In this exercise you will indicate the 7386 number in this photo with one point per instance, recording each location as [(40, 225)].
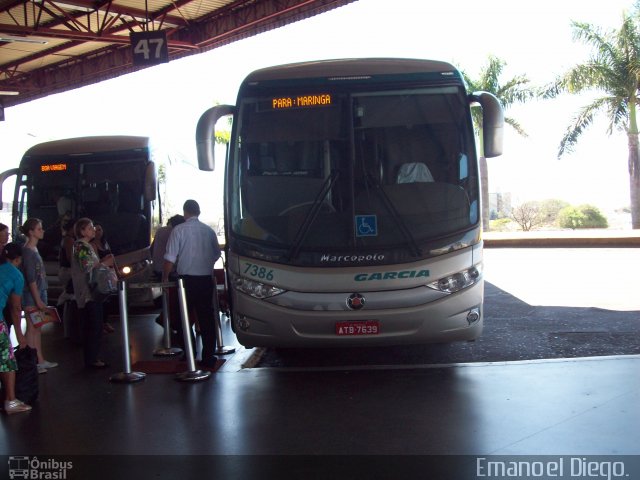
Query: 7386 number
[(256, 271)]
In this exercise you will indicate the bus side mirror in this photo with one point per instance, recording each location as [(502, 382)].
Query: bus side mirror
[(150, 182), (492, 123), (3, 177), (205, 135)]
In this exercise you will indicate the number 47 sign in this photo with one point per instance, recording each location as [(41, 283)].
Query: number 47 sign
[(149, 48)]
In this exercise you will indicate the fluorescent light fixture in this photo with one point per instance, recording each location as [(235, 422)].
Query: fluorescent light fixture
[(8, 92), (11, 39)]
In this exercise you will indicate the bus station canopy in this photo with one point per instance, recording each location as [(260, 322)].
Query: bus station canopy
[(51, 46)]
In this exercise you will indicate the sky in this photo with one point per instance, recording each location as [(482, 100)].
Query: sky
[(534, 39)]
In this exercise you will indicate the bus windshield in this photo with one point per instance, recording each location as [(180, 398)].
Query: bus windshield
[(354, 170), (105, 188)]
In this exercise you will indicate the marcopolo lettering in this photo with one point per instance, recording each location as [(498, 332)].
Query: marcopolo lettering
[(375, 257), (402, 274)]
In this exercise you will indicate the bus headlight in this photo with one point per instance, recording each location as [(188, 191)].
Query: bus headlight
[(127, 270), (458, 281), (256, 289)]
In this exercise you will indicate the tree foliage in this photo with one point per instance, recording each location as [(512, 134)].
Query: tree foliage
[(612, 70), (551, 208), (508, 92), (222, 136), (582, 216), (528, 215)]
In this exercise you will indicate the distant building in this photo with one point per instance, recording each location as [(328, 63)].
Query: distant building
[(500, 205)]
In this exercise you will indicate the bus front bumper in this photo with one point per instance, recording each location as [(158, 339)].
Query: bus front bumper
[(456, 317)]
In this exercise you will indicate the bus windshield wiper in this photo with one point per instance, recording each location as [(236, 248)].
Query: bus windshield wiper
[(402, 226), (311, 216)]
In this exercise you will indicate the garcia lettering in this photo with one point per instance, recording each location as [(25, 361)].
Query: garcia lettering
[(402, 274)]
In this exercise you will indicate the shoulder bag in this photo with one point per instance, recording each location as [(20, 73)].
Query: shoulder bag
[(103, 280)]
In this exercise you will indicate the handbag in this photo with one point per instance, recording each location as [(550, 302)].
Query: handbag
[(27, 375), (103, 280)]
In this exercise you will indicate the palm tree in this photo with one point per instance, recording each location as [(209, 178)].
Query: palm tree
[(613, 70), (514, 90)]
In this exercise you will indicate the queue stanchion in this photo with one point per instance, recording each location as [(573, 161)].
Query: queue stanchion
[(220, 349), (166, 350), (126, 376), (193, 374)]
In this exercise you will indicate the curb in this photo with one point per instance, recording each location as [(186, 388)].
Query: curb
[(563, 242)]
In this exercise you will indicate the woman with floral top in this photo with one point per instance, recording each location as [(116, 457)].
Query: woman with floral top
[(90, 309), (102, 248)]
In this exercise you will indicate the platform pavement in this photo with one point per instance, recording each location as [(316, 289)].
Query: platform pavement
[(581, 407)]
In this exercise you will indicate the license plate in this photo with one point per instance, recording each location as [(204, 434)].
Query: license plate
[(366, 327)]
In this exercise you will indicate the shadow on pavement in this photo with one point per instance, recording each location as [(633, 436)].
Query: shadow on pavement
[(514, 330)]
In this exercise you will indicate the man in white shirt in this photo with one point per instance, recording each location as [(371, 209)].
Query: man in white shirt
[(193, 247)]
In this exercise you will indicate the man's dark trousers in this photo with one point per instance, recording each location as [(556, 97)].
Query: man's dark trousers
[(199, 291)]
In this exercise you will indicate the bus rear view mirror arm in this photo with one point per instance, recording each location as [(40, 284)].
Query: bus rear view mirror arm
[(492, 122), (205, 134)]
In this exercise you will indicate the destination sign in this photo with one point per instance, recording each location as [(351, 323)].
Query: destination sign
[(53, 167), (301, 101)]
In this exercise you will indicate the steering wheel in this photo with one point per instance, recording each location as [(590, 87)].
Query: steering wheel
[(324, 207)]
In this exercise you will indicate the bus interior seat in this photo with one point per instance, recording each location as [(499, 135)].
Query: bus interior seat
[(407, 147), (414, 172)]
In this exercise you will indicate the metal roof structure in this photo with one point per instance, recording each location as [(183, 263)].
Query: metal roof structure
[(50, 46)]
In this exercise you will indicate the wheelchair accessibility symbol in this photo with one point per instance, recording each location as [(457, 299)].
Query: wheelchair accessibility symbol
[(366, 226)]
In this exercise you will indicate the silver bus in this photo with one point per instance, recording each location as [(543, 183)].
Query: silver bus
[(110, 179), (352, 203)]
